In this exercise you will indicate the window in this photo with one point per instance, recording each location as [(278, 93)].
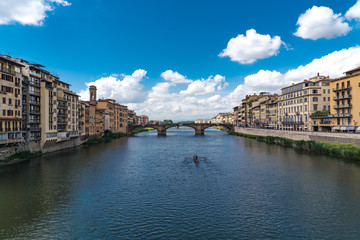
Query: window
[(315, 107), (324, 99), (305, 99), (315, 99), (17, 69), (324, 91), (314, 91), (4, 100)]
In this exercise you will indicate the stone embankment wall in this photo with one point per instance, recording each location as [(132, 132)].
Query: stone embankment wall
[(329, 137), (35, 146), (63, 145)]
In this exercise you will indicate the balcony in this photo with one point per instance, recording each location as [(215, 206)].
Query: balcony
[(62, 99), (63, 106), (34, 102), (34, 83), (342, 106), (34, 93), (7, 70), (34, 120), (25, 81), (348, 96), (292, 122), (341, 115), (34, 129), (37, 112), (61, 128), (343, 88), (35, 74), (62, 115)]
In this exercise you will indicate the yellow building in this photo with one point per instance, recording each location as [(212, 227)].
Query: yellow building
[(10, 113), (271, 113), (48, 111), (67, 112), (345, 111), (116, 118)]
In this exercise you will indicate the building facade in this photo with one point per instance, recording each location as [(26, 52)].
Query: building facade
[(298, 101), (11, 102), (345, 111)]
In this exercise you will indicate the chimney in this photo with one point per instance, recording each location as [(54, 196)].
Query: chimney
[(318, 74)]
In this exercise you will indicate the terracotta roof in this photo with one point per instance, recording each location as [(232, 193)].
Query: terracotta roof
[(8, 59), (353, 70)]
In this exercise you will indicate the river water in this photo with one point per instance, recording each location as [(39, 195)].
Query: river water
[(148, 187)]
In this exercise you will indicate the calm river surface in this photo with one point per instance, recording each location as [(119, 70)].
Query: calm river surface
[(143, 188)]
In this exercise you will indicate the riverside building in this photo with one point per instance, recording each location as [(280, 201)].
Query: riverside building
[(271, 112), (10, 92), (345, 111), (46, 108), (116, 117), (298, 101)]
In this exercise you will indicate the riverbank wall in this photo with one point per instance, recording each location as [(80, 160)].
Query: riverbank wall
[(328, 137), (35, 146)]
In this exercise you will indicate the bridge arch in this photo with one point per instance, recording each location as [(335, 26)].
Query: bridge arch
[(198, 127)]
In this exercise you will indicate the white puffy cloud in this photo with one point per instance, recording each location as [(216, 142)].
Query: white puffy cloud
[(123, 90), (321, 22), (27, 12), (354, 12), (251, 47), (205, 86), (333, 65), (204, 98), (174, 77)]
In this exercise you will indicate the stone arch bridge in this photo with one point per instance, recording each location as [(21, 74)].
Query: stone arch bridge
[(199, 127)]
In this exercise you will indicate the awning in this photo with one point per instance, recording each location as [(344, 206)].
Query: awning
[(335, 128), (351, 128), (343, 129), (358, 129)]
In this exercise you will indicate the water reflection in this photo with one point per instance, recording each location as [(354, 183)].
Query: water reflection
[(144, 187)]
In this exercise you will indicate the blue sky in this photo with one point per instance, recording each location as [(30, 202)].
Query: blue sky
[(163, 58)]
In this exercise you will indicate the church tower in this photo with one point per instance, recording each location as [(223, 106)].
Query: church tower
[(93, 94)]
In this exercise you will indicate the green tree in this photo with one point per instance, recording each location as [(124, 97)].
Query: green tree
[(168, 121)]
